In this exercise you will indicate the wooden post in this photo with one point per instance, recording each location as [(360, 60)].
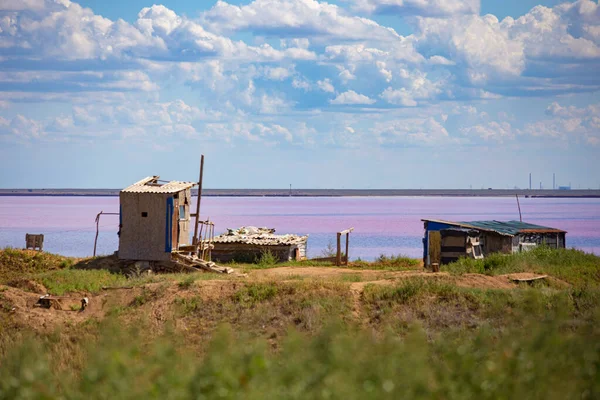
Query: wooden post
[(519, 205), (338, 257), (97, 226), (347, 238), (195, 239)]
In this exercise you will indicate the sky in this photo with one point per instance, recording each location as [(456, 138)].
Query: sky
[(339, 94)]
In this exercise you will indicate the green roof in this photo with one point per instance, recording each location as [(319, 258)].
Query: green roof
[(503, 227)]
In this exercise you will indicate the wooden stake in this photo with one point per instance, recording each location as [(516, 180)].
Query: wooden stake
[(347, 238), (195, 239), (519, 205), (338, 258)]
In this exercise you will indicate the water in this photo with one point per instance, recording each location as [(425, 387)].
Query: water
[(383, 225)]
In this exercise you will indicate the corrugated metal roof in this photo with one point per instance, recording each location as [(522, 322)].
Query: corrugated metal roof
[(509, 228), (150, 185), (259, 236)]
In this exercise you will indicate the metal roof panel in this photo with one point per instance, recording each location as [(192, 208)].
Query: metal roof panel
[(150, 185)]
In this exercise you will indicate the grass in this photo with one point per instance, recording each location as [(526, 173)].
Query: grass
[(570, 265), (14, 263), (74, 280), (312, 338), (440, 305), (539, 360)]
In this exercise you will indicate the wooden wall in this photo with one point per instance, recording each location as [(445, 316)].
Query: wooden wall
[(143, 238)]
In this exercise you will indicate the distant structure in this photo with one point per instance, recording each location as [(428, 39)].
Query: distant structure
[(249, 243), (553, 181), (154, 219), (530, 181), (475, 238), (564, 187)]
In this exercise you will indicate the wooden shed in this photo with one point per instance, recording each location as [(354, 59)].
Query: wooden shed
[(246, 244), (154, 219), (494, 237)]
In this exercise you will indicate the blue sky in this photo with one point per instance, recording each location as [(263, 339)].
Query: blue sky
[(340, 94)]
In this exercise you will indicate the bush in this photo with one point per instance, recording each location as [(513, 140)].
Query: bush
[(267, 259)]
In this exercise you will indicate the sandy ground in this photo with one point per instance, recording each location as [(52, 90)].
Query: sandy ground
[(163, 294)]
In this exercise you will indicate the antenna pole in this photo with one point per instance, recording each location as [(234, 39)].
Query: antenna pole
[(519, 205), (195, 239)]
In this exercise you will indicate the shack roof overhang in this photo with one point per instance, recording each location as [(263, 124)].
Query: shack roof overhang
[(506, 228), (150, 184)]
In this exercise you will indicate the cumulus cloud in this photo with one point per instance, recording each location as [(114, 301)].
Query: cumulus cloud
[(493, 130), (299, 18), (351, 97), (431, 8), (411, 131), (580, 124)]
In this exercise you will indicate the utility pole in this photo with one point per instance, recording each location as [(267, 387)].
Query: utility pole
[(553, 181), (530, 181)]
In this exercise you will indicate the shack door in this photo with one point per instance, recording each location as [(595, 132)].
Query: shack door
[(435, 247)]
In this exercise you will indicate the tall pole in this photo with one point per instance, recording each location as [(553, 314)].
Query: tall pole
[(519, 205), (195, 239), (530, 181), (553, 181)]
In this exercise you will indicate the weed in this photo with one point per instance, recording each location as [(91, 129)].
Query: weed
[(255, 293), (267, 259), (188, 305), (188, 281)]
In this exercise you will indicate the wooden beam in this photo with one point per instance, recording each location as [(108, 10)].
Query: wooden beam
[(346, 231)]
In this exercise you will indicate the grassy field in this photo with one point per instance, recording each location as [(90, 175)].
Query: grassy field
[(372, 330)]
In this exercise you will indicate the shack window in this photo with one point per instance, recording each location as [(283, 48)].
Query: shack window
[(144, 214), (181, 212)]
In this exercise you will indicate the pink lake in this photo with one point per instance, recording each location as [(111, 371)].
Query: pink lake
[(383, 225)]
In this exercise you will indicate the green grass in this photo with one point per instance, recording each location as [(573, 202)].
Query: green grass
[(64, 281), (14, 263), (537, 361), (256, 293), (440, 305), (570, 265)]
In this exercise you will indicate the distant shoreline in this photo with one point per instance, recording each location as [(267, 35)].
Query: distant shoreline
[(576, 193)]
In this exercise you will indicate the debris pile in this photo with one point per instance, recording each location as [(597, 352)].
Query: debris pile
[(259, 236)]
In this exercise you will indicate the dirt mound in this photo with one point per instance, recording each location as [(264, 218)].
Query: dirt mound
[(28, 286), (484, 281)]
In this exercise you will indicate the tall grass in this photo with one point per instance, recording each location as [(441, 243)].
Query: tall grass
[(539, 361), (573, 266)]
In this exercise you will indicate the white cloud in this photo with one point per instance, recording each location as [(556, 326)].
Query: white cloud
[(433, 8), (351, 97), (478, 44), (277, 73), (413, 131), (326, 86), (493, 130), (568, 123), (439, 60), (294, 17)]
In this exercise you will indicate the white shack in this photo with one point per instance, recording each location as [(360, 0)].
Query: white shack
[(154, 219)]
